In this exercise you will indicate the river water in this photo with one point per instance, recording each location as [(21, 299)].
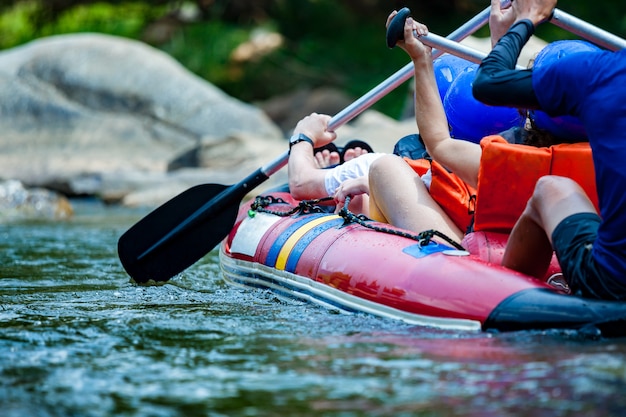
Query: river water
[(78, 338)]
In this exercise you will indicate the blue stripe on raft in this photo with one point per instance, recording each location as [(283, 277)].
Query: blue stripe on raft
[(272, 254), (302, 244)]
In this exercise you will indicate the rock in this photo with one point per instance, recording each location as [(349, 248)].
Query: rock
[(20, 203), (231, 151), (88, 105), (287, 109), (168, 186), (240, 155)]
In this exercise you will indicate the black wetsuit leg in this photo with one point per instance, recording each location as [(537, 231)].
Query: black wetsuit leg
[(497, 82)]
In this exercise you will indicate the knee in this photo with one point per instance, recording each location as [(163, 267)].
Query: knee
[(385, 172), (385, 165), (544, 185), (544, 188), (554, 186), (551, 192)]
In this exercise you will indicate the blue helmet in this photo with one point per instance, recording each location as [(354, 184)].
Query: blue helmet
[(565, 127), (447, 67), (556, 50), (471, 120)]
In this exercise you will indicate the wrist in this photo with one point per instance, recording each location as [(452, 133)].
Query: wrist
[(299, 138), (533, 19), (524, 28), (421, 63)]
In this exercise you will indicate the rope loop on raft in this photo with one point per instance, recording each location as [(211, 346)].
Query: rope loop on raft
[(304, 207), (261, 203), (423, 239)]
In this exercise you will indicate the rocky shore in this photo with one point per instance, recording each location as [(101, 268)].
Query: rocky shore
[(97, 115)]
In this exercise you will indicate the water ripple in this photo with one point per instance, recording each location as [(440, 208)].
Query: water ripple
[(77, 337)]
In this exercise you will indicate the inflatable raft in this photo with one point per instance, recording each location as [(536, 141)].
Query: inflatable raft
[(353, 264)]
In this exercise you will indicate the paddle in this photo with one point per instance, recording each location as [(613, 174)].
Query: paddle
[(177, 234)]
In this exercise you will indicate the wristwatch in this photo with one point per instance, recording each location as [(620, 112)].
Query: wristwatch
[(300, 137)]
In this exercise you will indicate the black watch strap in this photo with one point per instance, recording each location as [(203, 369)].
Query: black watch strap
[(300, 137)]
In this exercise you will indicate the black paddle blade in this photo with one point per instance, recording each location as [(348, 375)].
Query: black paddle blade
[(149, 249)]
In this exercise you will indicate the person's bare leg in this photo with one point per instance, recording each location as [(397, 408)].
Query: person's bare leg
[(399, 197), (529, 248)]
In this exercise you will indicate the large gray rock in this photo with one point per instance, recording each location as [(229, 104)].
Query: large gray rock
[(87, 106)]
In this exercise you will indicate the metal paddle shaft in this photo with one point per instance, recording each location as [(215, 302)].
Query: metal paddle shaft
[(586, 30), (177, 234)]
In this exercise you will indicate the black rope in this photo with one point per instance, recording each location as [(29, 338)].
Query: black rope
[(261, 203), (304, 207), (423, 238)]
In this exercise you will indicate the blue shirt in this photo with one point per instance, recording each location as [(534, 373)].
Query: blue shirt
[(592, 86)]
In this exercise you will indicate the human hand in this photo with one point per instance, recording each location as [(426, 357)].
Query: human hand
[(500, 20), (410, 44), (350, 188), (315, 126), (537, 11)]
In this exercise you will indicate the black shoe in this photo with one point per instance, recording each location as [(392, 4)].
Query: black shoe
[(330, 147), (356, 143)]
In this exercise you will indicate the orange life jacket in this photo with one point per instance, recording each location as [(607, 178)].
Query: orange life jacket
[(506, 180), (454, 196), (508, 174)]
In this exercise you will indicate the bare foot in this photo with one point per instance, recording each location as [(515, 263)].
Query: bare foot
[(325, 158), (354, 149), (352, 153)]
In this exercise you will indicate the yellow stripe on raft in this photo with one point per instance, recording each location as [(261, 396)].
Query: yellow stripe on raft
[(284, 253)]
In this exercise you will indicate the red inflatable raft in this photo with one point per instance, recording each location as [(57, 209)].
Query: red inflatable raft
[(377, 269)]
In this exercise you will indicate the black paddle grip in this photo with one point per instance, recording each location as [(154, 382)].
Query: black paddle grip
[(395, 30)]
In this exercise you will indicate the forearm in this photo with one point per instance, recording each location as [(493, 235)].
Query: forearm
[(497, 81), (461, 157), (306, 181), (430, 116)]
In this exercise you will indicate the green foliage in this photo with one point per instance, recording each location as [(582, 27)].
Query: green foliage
[(326, 42), (125, 19), (205, 49), (16, 25)]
